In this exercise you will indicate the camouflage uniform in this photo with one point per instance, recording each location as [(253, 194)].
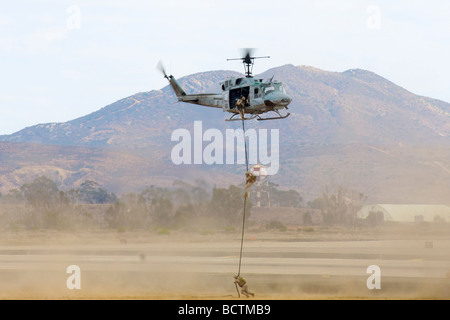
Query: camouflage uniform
[(240, 105), (243, 285), (250, 179)]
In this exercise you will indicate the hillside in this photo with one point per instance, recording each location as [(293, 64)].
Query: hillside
[(354, 128), (140, 121), (118, 171), (327, 108)]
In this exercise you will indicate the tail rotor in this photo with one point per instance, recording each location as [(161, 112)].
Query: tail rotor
[(161, 68)]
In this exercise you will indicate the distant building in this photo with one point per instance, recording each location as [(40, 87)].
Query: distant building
[(262, 184), (406, 212)]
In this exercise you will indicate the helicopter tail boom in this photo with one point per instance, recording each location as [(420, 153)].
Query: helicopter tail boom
[(173, 82), (204, 99), (176, 87)]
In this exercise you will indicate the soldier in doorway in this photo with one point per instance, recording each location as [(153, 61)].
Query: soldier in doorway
[(240, 105)]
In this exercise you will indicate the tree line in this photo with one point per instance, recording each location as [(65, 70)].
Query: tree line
[(43, 205), (338, 205), (191, 206)]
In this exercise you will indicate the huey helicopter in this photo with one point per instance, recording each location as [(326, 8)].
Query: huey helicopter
[(260, 96)]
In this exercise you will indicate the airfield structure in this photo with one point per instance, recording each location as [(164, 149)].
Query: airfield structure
[(262, 179)]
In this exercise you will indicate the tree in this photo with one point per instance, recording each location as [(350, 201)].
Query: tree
[(335, 205), (375, 218), (317, 203), (227, 205), (130, 211), (289, 198), (48, 202), (91, 192), (14, 196), (184, 215), (307, 218), (162, 211), (278, 198), (152, 192), (339, 205), (115, 216), (43, 193), (73, 195)]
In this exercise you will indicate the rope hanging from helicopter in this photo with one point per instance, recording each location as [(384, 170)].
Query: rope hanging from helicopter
[(272, 100), (245, 202), (244, 211)]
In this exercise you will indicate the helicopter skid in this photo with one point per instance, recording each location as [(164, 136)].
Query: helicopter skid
[(258, 117), (274, 118), (237, 119)]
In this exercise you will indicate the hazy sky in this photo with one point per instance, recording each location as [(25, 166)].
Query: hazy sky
[(62, 59)]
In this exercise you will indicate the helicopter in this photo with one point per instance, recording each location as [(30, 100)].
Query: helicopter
[(261, 97)]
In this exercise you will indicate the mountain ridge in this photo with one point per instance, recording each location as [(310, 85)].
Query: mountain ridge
[(325, 97), (337, 120)]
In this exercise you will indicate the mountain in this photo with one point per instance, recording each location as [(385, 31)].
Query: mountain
[(354, 127), (327, 107), (69, 166), (138, 121)]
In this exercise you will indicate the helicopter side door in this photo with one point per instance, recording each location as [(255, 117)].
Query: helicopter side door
[(236, 94)]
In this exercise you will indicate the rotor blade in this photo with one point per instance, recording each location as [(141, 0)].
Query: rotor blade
[(247, 51), (246, 55)]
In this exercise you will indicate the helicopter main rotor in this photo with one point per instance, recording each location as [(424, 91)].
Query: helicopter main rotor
[(248, 62)]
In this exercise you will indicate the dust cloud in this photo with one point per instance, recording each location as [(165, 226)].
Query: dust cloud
[(296, 263)]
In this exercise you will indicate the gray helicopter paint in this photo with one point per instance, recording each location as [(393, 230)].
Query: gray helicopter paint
[(261, 97), (259, 103)]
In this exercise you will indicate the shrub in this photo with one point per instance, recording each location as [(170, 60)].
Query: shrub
[(276, 224), (163, 231)]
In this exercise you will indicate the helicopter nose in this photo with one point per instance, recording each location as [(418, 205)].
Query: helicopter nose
[(277, 99)]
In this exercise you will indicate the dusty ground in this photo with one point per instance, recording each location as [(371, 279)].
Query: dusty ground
[(301, 263)]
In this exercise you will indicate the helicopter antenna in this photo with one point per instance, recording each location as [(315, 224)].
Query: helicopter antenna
[(248, 62)]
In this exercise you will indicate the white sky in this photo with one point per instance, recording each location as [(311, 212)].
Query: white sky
[(62, 59)]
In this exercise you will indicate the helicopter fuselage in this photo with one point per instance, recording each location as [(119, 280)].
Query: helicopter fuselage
[(260, 96)]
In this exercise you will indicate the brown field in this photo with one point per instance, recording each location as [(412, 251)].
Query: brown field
[(300, 263)]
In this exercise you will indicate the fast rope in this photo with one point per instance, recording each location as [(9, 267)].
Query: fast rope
[(245, 203)]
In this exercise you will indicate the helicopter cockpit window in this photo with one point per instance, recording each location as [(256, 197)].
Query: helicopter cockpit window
[(269, 89), (274, 87)]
